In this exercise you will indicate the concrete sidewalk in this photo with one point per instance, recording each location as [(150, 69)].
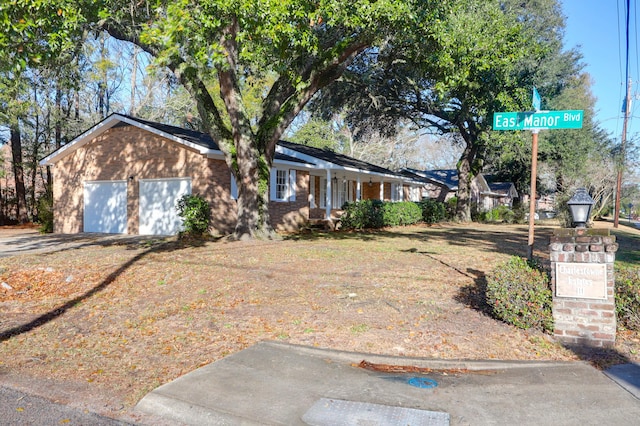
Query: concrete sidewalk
[(279, 384)]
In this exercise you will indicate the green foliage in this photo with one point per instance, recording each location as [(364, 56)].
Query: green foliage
[(319, 134), (628, 297), (365, 214), (519, 293), (195, 212), (451, 206), (497, 215), (45, 214), (401, 214), (432, 211), (375, 214)]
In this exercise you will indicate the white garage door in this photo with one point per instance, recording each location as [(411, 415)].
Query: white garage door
[(158, 198), (105, 207)]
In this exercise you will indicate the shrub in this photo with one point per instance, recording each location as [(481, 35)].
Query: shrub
[(519, 214), (628, 297), (374, 214), (451, 206), (401, 214), (362, 214), (498, 214), (45, 214), (519, 293), (195, 212), (432, 211)]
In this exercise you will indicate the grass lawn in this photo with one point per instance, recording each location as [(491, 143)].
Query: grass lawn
[(105, 324)]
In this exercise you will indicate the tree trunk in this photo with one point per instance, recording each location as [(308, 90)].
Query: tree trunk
[(469, 166), (253, 193), (463, 207), (18, 173)]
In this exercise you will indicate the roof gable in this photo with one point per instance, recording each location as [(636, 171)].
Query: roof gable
[(286, 152), (444, 177), (190, 138), (340, 160)]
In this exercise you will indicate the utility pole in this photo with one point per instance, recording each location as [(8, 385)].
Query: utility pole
[(623, 141), (627, 109)]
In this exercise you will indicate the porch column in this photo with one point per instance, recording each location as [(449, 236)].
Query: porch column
[(381, 189), (328, 197), (359, 189)]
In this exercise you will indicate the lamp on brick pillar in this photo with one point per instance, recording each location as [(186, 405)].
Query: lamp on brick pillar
[(580, 207)]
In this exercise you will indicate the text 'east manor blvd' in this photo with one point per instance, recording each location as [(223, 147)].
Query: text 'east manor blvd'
[(570, 119)]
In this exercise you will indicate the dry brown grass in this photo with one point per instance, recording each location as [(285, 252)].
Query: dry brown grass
[(103, 325)]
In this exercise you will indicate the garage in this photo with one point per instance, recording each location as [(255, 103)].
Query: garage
[(105, 207), (158, 199)]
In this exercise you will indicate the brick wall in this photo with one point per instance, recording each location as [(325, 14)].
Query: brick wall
[(291, 215), (128, 151), (579, 320)]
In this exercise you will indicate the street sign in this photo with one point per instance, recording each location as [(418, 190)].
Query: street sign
[(570, 119), (536, 100)]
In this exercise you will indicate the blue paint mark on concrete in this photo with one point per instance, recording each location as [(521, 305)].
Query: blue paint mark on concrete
[(422, 382)]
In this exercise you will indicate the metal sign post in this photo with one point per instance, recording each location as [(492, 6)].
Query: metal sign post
[(532, 200), (535, 121)]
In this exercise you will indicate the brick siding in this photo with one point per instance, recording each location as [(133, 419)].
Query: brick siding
[(123, 152)]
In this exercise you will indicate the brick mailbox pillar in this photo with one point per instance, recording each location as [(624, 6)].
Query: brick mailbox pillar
[(582, 280)]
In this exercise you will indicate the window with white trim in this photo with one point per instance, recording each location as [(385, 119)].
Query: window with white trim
[(282, 185), (234, 188), (312, 192), (323, 193), (396, 192), (340, 194)]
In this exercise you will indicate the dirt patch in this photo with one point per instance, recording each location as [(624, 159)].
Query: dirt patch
[(101, 325)]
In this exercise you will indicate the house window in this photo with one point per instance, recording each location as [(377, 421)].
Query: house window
[(234, 188), (323, 193), (283, 185), (312, 192), (396, 192), (282, 179), (340, 194)]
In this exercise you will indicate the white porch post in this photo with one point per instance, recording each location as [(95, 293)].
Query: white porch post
[(359, 189), (381, 189), (329, 198)]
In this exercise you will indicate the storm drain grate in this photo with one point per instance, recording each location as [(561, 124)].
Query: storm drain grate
[(336, 412)]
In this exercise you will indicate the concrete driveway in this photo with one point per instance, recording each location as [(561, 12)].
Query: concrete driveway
[(14, 240)]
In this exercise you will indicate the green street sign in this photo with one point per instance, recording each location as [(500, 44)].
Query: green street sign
[(570, 119)]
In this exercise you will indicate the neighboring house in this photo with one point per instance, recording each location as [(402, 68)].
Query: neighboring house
[(443, 185), (501, 194), (544, 202), (124, 175)]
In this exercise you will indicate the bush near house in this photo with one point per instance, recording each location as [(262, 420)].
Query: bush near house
[(45, 214), (628, 297), (451, 204), (375, 214), (498, 215), (519, 293), (401, 214), (432, 211), (365, 214), (196, 214)]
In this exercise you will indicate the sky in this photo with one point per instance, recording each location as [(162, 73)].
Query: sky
[(597, 27)]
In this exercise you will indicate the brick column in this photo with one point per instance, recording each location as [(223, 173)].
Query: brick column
[(582, 279)]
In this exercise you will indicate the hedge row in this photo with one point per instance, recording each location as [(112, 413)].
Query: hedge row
[(375, 214)]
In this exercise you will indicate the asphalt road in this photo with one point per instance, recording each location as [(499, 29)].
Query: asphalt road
[(18, 408)]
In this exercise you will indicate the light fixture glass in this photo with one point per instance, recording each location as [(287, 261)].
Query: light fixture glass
[(580, 207)]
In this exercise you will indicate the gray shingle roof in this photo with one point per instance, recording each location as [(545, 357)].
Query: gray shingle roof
[(335, 158), (199, 138), (446, 177)]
